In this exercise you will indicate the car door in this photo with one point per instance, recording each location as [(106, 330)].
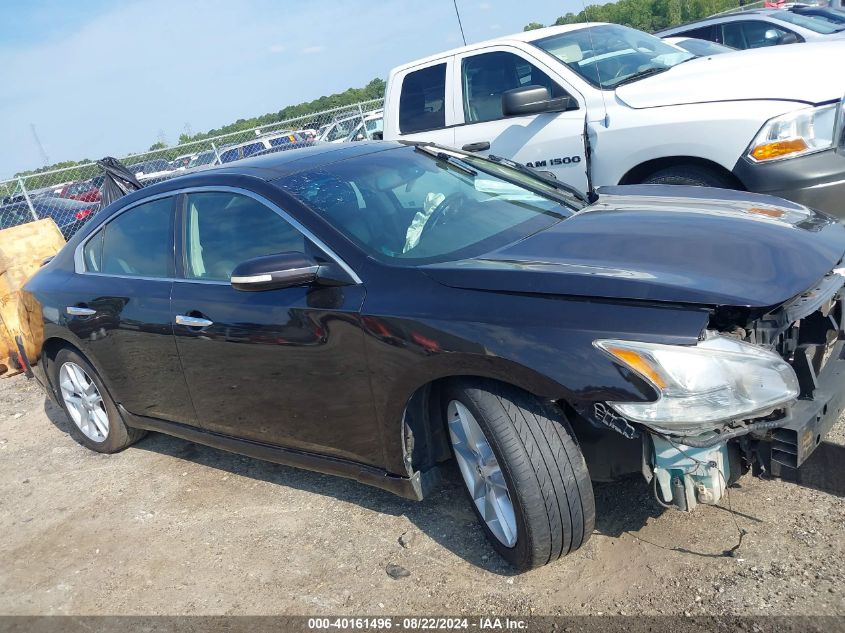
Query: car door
[(285, 366), (118, 306), (549, 141)]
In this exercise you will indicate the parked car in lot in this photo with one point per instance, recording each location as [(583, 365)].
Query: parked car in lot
[(69, 215), (208, 157), (84, 191), (372, 309), (150, 168), (182, 162), (370, 128), (284, 141), (603, 104), (338, 131), (699, 48), (760, 28)]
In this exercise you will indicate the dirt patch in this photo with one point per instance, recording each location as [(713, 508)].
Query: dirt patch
[(169, 527)]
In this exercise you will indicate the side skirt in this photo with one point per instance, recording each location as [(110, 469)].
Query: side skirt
[(415, 487)]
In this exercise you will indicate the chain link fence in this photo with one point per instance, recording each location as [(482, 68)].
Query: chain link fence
[(71, 196)]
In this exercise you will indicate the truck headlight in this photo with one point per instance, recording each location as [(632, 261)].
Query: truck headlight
[(839, 128), (703, 386), (795, 134)]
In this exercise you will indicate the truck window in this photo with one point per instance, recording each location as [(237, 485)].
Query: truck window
[(485, 77), (703, 33), (423, 98), (750, 34)]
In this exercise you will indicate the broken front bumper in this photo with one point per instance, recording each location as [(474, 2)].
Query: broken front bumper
[(810, 419)]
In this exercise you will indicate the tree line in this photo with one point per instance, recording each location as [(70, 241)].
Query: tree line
[(646, 15)]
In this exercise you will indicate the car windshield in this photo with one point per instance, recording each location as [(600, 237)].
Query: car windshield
[(422, 206), (609, 55), (834, 16), (810, 22)]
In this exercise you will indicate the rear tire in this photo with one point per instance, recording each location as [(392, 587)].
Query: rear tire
[(95, 421), (690, 175), (532, 450)]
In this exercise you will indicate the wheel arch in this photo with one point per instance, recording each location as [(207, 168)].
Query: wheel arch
[(419, 420), (638, 173), (50, 347)]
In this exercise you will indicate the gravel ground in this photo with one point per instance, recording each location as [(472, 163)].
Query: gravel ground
[(169, 527)]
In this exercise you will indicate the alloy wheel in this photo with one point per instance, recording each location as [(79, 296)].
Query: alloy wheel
[(482, 474), (84, 402)]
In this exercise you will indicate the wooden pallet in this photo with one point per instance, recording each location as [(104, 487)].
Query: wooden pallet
[(22, 250)]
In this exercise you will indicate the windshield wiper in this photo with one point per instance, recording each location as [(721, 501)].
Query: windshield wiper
[(642, 75), (551, 182), (453, 161)]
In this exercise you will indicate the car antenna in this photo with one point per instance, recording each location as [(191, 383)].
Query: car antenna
[(461, 26)]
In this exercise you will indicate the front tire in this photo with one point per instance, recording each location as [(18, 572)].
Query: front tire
[(690, 175), (524, 472), (95, 421)]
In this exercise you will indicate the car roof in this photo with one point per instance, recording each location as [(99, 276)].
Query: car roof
[(525, 36)]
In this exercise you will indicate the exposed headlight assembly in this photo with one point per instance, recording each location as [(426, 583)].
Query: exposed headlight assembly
[(839, 128), (795, 134), (703, 386)]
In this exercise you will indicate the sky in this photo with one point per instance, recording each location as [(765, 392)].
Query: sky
[(99, 77)]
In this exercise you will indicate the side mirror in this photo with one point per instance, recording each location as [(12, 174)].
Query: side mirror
[(378, 136), (272, 272), (532, 100), (788, 38)]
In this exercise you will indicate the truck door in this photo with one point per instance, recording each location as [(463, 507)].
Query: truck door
[(549, 141)]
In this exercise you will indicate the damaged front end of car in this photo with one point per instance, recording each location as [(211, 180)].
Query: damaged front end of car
[(760, 388)]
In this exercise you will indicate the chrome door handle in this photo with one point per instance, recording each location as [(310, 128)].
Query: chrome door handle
[(77, 311), (182, 319)]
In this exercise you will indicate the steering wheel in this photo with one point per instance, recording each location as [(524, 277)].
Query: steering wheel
[(450, 203)]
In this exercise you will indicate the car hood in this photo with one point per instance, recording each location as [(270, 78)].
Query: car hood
[(666, 244), (787, 73)]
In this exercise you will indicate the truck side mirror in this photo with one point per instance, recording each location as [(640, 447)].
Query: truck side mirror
[(532, 100)]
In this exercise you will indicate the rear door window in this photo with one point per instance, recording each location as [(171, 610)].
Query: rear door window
[(137, 243), (422, 103)]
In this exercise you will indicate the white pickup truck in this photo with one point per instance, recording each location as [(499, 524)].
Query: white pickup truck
[(603, 104)]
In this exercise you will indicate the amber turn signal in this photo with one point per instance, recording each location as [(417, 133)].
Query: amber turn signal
[(776, 149)]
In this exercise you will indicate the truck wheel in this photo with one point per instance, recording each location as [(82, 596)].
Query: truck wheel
[(524, 472), (692, 175), (95, 420)]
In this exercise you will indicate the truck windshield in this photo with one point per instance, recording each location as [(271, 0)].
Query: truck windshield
[(609, 55), (420, 207)]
